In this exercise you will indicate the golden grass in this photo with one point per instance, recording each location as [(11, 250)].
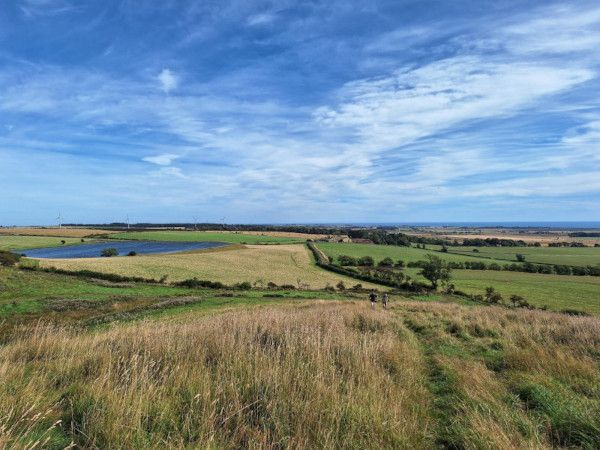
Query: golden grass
[(281, 264), (323, 376), (57, 232), (311, 375)]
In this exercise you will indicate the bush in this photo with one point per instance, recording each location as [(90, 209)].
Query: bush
[(195, 283), (491, 296), (245, 286), (108, 252), (131, 253), (8, 259), (341, 286), (399, 264), (386, 262), (366, 261), (520, 257), (345, 260)]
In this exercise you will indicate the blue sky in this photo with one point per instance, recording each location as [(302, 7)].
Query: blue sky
[(288, 111)]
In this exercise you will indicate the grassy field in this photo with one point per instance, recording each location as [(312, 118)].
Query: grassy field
[(281, 264), (571, 256), (54, 231), (308, 375), (193, 236), (557, 292), (379, 252), (26, 242)]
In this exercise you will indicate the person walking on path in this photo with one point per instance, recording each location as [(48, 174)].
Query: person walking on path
[(373, 298), (384, 300)]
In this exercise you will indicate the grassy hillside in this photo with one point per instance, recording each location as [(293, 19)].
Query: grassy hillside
[(379, 252), (320, 375), (281, 264), (571, 256), (193, 236), (26, 242)]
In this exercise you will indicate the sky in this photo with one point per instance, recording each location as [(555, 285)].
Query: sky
[(250, 111)]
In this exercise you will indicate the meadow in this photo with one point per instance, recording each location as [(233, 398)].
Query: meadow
[(570, 256), (406, 254), (557, 292), (332, 374), (257, 264), (193, 236), (26, 242)]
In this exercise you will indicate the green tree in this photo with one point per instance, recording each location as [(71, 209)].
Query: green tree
[(436, 270), (386, 262)]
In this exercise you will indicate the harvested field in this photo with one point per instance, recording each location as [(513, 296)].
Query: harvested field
[(58, 232), (281, 264), (26, 242)]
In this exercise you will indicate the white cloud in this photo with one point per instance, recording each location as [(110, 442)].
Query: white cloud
[(162, 160), (260, 19), (168, 80), (416, 102)]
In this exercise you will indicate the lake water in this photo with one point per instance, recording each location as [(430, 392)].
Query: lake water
[(94, 250)]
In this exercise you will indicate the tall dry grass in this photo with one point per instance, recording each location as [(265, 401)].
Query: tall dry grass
[(326, 376)]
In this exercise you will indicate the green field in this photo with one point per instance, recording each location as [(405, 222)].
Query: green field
[(26, 242), (193, 236), (570, 256), (557, 292), (379, 252)]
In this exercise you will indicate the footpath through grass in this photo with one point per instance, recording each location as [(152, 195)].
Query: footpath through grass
[(195, 236)]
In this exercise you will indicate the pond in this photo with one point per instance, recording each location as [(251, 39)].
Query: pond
[(94, 250)]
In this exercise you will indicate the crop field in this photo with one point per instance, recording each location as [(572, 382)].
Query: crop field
[(571, 256), (26, 242), (332, 374), (55, 231), (379, 252), (260, 264), (557, 292), (194, 236)]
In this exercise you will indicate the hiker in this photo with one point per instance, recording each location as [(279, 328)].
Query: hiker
[(373, 298), (384, 300)]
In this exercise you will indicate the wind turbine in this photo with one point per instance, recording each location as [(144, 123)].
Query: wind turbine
[(195, 222), (127, 221), (223, 222), (59, 219)]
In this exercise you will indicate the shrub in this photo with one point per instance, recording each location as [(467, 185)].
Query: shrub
[(63, 242), (244, 285), (108, 252), (520, 257), (386, 262), (400, 264), (341, 286), (491, 296), (346, 260), (444, 249), (366, 261), (131, 253), (271, 285), (8, 259)]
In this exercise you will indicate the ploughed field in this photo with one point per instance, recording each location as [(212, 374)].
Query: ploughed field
[(309, 374)]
